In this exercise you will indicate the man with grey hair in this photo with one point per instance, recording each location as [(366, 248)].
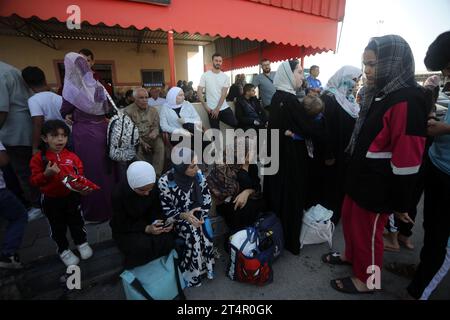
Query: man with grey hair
[(151, 146)]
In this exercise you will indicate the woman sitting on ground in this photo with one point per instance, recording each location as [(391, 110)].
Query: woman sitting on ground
[(236, 189), (186, 200), (137, 224)]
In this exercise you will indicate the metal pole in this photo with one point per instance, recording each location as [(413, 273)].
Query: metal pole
[(170, 46)]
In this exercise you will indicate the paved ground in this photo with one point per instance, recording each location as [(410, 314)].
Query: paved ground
[(295, 277)]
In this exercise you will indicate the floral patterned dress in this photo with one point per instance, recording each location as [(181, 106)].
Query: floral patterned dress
[(197, 258)]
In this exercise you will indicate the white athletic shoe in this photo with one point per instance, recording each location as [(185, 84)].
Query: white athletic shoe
[(34, 214), (69, 258), (85, 251)]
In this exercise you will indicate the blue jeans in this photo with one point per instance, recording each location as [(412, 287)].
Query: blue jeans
[(14, 211)]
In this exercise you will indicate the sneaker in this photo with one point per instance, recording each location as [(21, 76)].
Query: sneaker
[(34, 214), (69, 258), (10, 262), (85, 251)]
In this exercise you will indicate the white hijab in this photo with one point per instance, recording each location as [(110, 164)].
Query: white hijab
[(341, 84), (140, 174), (171, 98), (284, 78)]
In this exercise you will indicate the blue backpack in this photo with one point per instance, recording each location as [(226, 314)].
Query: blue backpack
[(269, 229)]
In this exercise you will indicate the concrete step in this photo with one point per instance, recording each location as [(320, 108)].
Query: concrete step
[(48, 274)]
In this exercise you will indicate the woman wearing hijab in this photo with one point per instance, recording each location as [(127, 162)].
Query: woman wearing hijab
[(329, 163), (138, 226), (85, 106), (386, 151), (285, 192), (186, 201), (178, 116), (241, 203)]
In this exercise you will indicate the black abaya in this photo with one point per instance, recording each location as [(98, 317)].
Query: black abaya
[(327, 182), (285, 192), (131, 214), (246, 216)]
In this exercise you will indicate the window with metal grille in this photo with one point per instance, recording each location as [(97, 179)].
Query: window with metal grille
[(152, 78)]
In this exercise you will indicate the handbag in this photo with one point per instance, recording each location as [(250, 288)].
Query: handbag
[(317, 226), (160, 279)]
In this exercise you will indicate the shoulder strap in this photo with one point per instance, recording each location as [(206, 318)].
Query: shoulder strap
[(136, 284), (268, 77), (177, 279), (110, 100), (44, 159)]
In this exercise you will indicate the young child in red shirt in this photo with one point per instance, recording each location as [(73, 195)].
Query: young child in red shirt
[(59, 175)]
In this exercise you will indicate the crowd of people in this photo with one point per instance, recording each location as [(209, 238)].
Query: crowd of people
[(366, 146)]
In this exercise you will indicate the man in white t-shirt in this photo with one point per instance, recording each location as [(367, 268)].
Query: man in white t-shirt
[(44, 104), (216, 84), (155, 99)]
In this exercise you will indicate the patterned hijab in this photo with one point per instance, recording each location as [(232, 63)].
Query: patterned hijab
[(394, 71), (341, 84), (80, 87)]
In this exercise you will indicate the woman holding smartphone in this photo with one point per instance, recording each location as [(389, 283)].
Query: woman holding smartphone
[(186, 200), (138, 225)]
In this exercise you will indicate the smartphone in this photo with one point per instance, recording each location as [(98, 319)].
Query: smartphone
[(198, 214), (167, 223)]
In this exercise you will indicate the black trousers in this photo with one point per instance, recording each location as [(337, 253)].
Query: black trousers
[(241, 218), (436, 223), (226, 116), (139, 248), (63, 213)]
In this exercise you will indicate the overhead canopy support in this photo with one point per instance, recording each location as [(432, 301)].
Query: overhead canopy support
[(30, 30), (287, 24), (171, 49)]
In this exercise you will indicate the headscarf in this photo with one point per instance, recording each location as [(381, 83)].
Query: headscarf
[(80, 87), (284, 78), (182, 159), (140, 174), (433, 81), (341, 84), (394, 71), (171, 98)]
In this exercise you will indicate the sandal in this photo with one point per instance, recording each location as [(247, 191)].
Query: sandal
[(334, 258), (405, 243), (348, 286), (391, 249), (401, 269)]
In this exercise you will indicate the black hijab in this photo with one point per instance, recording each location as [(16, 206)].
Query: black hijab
[(185, 182)]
